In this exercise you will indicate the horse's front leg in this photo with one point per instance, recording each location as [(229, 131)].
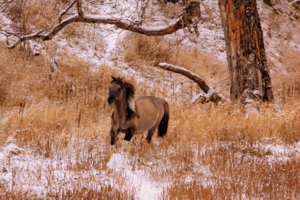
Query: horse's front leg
[(113, 136)]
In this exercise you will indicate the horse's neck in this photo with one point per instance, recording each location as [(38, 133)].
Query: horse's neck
[(120, 111)]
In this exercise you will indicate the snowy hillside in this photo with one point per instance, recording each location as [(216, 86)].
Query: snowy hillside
[(55, 122)]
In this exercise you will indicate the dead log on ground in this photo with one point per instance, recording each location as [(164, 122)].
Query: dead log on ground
[(210, 92)]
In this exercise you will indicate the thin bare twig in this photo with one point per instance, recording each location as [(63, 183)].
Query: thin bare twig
[(65, 11), (143, 11)]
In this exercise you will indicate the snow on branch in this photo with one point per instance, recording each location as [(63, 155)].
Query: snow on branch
[(186, 73), (100, 19), (66, 11), (210, 92), (39, 35)]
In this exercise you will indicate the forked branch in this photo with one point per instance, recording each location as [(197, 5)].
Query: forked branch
[(66, 11), (100, 19)]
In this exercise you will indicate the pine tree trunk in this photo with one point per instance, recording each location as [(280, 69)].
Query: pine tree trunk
[(249, 73)]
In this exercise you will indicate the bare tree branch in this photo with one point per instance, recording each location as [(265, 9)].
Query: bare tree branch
[(103, 19), (66, 10), (143, 11), (79, 8), (211, 94), (38, 34)]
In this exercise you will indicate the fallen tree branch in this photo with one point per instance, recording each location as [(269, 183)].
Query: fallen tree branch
[(186, 73), (210, 92)]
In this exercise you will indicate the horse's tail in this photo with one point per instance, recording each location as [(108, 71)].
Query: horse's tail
[(163, 125)]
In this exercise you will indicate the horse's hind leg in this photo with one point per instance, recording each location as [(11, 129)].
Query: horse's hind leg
[(150, 134), (128, 136)]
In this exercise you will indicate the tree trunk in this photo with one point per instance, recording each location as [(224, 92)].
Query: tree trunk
[(249, 73)]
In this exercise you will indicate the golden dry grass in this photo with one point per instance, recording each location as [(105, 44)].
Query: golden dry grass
[(28, 15), (61, 121), (142, 51), (287, 82), (216, 152)]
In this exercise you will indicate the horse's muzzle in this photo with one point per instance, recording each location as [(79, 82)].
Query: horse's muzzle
[(111, 101)]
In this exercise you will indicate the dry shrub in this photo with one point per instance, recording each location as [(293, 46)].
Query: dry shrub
[(57, 114), (65, 114), (104, 193), (35, 97), (141, 50), (286, 81), (40, 103), (18, 80), (28, 14), (241, 178), (227, 139), (209, 123), (168, 10)]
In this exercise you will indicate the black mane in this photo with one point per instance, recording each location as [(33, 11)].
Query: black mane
[(129, 92)]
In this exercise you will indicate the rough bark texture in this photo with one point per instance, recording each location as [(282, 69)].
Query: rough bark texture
[(249, 73)]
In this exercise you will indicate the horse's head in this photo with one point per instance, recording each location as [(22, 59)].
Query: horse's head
[(116, 91), (120, 91)]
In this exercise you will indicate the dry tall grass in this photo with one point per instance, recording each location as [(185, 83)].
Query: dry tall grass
[(212, 152), (287, 82), (60, 120), (51, 112), (142, 50)]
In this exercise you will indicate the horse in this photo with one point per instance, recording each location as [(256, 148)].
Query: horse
[(134, 116)]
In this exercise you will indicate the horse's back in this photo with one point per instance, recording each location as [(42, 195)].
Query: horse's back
[(151, 110), (149, 102)]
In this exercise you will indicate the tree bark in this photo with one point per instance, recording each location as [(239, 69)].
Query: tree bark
[(249, 72)]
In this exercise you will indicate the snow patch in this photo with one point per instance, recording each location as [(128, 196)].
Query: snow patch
[(136, 179)]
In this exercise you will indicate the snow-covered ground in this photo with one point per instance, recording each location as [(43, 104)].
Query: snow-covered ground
[(40, 177), (22, 169)]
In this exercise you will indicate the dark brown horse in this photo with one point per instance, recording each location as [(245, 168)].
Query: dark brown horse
[(133, 116)]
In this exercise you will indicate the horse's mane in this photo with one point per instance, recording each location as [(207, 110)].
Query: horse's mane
[(129, 95)]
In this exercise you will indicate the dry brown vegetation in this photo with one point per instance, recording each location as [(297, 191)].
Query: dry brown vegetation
[(59, 122), (61, 116), (287, 82), (141, 50)]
